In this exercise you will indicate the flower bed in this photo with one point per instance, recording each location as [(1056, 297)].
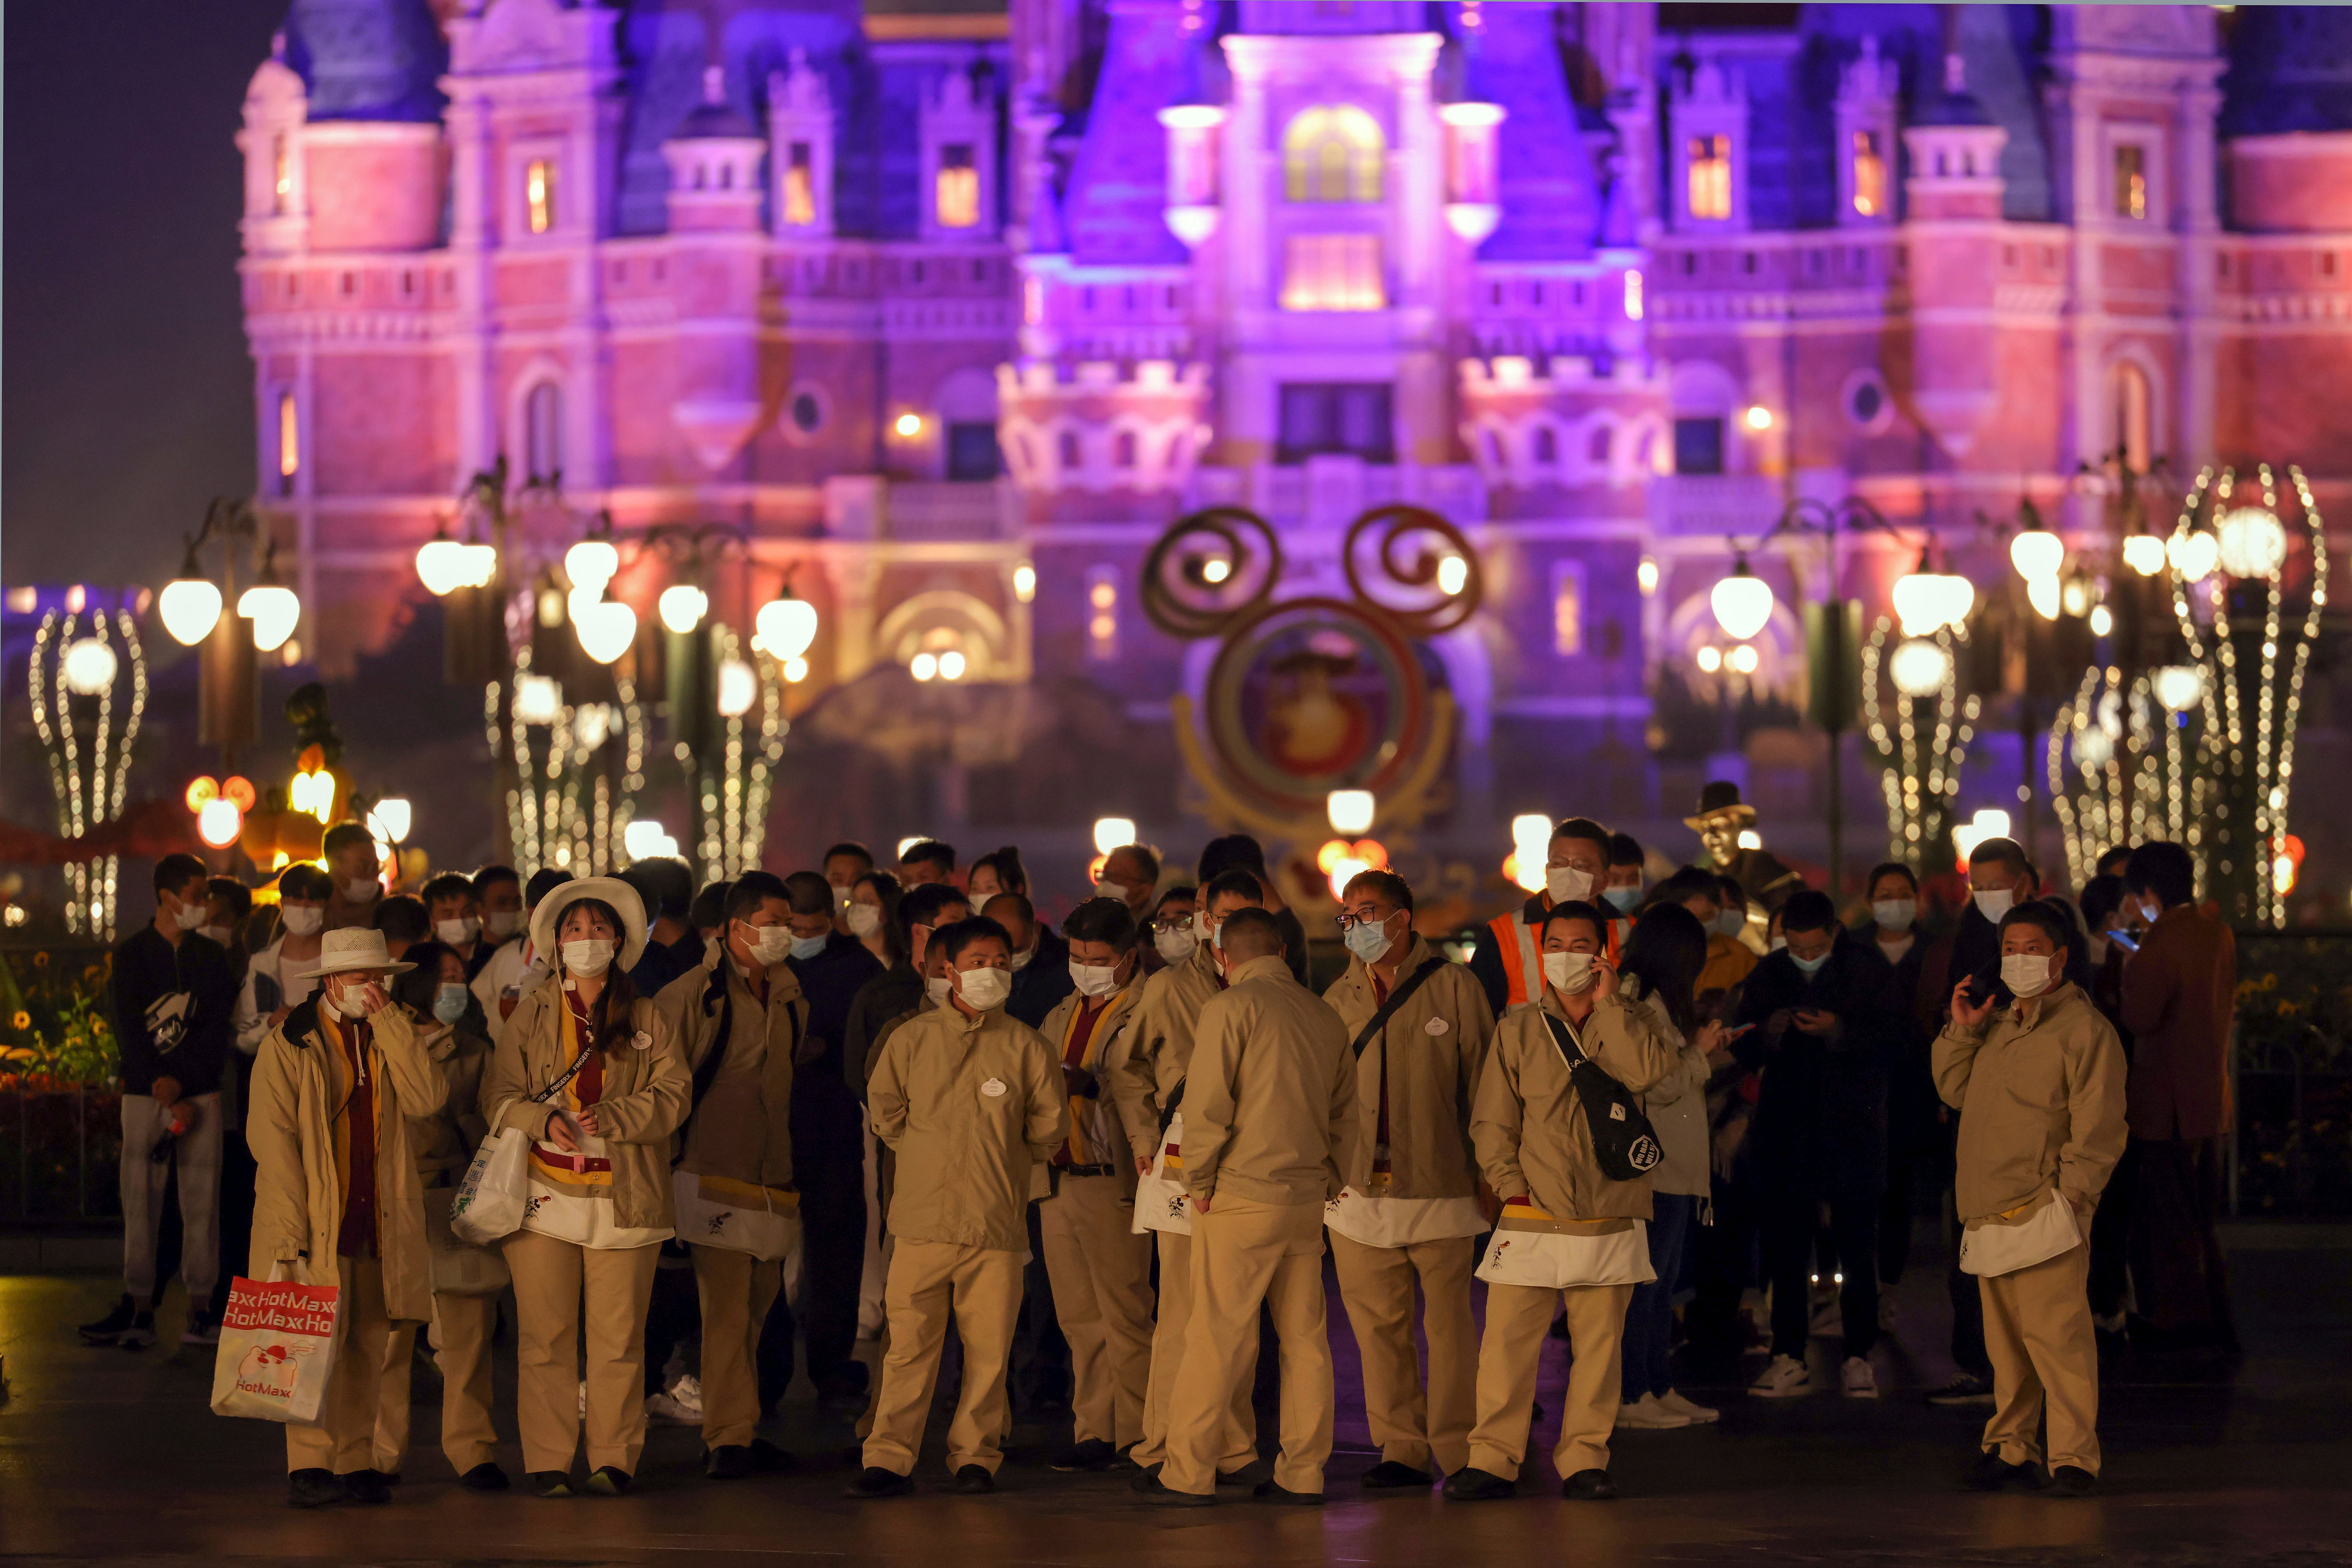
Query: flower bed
[(60, 1118)]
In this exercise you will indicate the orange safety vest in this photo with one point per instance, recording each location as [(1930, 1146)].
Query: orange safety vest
[(1518, 941)]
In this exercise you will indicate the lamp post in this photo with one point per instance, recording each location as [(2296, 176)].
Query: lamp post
[(192, 605)]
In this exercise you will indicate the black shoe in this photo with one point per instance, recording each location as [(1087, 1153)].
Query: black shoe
[(1240, 1477), (1147, 1483), (2072, 1481), (203, 1328), (874, 1481), (973, 1480), (770, 1460), (1588, 1485), (608, 1480), (1094, 1454), (1477, 1485), (728, 1462), (314, 1488), (1966, 1389), (1990, 1473), (549, 1483), (110, 1328), (140, 1334), (388, 1477), (1276, 1493), (1123, 1461), (367, 1487), (1146, 1477), (484, 1478), (1389, 1476)]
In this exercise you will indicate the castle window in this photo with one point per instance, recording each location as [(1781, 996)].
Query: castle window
[(1353, 419), (1632, 296), (1546, 447), (542, 433), (1332, 272), (282, 175), (956, 196), (1869, 175), (2131, 180), (1698, 445), (2134, 416), (800, 186), (807, 412), (1067, 449), (974, 456), (1708, 187), (289, 444), (1333, 154), (1596, 449), (1567, 609), (539, 194), (1122, 450), (1102, 613)]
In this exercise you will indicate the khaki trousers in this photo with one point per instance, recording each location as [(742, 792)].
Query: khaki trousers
[(737, 1291), (461, 1331), (928, 1281), (1240, 1442), (1101, 1274), (1412, 1426), (2045, 1361), (1245, 1253), (1517, 1318), (344, 1440), (549, 1279)]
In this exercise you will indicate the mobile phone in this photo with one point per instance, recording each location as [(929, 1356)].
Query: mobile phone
[(2124, 940)]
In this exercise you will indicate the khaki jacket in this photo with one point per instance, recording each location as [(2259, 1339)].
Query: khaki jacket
[(1153, 1075), (445, 1141), (1270, 1111), (2040, 1089), (1530, 1129), (743, 1130), (1108, 1137), (1431, 1051), (968, 1105), (645, 1096), (299, 1083)]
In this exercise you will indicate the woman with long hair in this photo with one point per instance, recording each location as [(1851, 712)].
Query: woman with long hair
[(998, 871), (589, 1071), (873, 917), (1662, 962)]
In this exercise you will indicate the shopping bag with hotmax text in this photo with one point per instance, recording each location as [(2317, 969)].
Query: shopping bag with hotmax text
[(277, 1351)]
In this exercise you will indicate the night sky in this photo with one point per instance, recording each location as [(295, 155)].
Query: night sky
[(124, 385)]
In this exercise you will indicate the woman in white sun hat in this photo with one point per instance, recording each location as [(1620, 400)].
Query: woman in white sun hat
[(336, 1195), (590, 1072)]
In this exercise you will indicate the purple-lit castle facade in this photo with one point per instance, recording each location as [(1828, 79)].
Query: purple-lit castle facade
[(954, 310)]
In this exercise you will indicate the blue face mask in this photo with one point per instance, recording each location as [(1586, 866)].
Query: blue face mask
[(449, 1003), (1367, 939), (1810, 965), (807, 947), (1621, 900)]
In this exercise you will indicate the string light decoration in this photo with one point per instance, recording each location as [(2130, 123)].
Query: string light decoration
[(579, 769), (729, 786), (1921, 738), (87, 780), (2251, 695), (2130, 762)]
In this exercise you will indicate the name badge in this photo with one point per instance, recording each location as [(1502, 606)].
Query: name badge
[(1436, 1025), (641, 1041), (993, 1088)]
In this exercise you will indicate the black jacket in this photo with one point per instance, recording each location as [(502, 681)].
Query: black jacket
[(824, 1111), (1821, 1110), (897, 989), (1042, 982), (171, 1011)]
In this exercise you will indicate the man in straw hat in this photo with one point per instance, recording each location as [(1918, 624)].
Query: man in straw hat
[(337, 1198), (1722, 817)]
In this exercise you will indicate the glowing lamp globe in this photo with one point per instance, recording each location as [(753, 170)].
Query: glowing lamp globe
[(2037, 553), (739, 688), (393, 817), (1113, 833), (1919, 667), (537, 700), (590, 564), (787, 626), (441, 565), (1742, 603), (1350, 812), (2251, 542), (606, 629), (1926, 602), (219, 822), (191, 608), (2193, 555), (477, 564), (88, 667), (2144, 554), (1452, 575), (2045, 595), (681, 606), (2179, 686), (275, 612)]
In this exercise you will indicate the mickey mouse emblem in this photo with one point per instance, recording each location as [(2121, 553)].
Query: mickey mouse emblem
[(1436, 1027)]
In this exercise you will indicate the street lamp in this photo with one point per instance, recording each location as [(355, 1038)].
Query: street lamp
[(1926, 600), (1350, 812), (1742, 602), (682, 606), (190, 603), (272, 607), (786, 626), (2037, 553)]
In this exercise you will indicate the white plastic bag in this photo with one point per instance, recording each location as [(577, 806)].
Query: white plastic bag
[(489, 1203), (1990, 1250), (737, 1217), (277, 1351), (459, 1267), (1161, 1201)]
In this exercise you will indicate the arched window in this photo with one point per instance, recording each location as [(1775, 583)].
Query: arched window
[(2134, 422), (1546, 446), (1068, 449), (1333, 152), (543, 431), (1122, 450), (1596, 446)]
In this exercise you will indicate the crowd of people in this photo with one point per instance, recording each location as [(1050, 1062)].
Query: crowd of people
[(775, 1116)]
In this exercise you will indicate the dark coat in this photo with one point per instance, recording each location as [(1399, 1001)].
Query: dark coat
[(1820, 1114)]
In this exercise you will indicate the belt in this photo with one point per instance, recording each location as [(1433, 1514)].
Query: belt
[(1087, 1169)]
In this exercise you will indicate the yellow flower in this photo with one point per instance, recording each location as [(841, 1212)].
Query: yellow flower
[(23, 1020), (40, 961)]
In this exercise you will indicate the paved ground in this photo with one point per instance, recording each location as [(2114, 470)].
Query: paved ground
[(112, 1456)]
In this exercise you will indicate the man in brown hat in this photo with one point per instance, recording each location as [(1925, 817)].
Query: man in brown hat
[(1722, 817)]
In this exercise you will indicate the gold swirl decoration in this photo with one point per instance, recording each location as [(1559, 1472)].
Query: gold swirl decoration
[(1212, 570), (1418, 551)]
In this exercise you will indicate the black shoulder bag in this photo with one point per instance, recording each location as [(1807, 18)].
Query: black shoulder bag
[(1623, 1139), (1405, 988)]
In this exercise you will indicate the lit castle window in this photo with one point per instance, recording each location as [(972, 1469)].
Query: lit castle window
[(1332, 272), (799, 187), (1710, 176), (289, 444), (958, 193), (539, 194), (1333, 154), (2131, 181), (1869, 175)]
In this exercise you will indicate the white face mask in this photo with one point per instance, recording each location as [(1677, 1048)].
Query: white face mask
[(458, 932), (449, 1002), (301, 919), (770, 944), (1993, 903), (983, 989), (864, 920), (936, 987), (1728, 922), (2028, 973), (591, 956), (502, 923), (355, 1001), (217, 933), (188, 916), (1567, 972), (1093, 979), (1021, 960), (360, 890), (1369, 943), (1111, 891), (1175, 946), (1894, 914), (1567, 885), (2099, 945)]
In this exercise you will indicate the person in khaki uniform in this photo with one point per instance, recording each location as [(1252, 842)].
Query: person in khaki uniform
[(2039, 1093), (463, 1325), (970, 1100), (588, 1071), (336, 1200), (1272, 1139), (1098, 1263), (1419, 1210), (1570, 1234), (1150, 1093), (739, 1018)]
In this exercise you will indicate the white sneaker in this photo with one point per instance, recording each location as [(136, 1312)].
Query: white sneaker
[(1699, 1414), (1786, 1378), (1828, 1321), (687, 1389), (1646, 1413), (1856, 1380)]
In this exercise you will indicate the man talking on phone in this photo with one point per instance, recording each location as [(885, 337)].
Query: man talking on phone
[(1826, 1018)]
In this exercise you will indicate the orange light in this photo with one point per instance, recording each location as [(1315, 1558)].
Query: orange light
[(240, 788), (1372, 852), (1331, 854), (200, 791)]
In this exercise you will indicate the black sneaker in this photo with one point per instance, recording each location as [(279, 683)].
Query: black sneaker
[(1240, 1477), (549, 1483), (1149, 1484), (728, 1462), (1477, 1485), (1991, 1473), (314, 1489), (1389, 1476), (1588, 1485), (770, 1460), (484, 1478), (1966, 1389), (110, 1328), (1094, 1454), (2072, 1481), (140, 1334), (1276, 1493), (367, 1487), (608, 1480), (874, 1481), (1146, 1477), (973, 1480), (203, 1328)]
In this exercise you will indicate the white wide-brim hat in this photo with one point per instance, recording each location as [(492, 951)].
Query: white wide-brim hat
[(548, 917), (350, 948)]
